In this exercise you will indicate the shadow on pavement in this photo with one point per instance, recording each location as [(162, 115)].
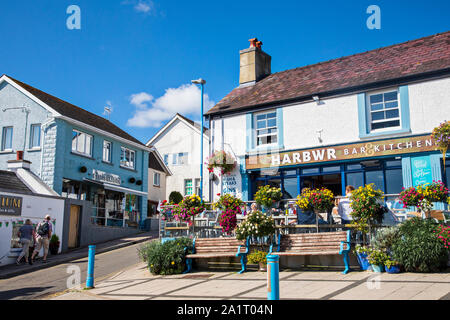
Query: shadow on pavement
[(23, 293)]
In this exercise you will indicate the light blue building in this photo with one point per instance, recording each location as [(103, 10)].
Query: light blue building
[(78, 154)]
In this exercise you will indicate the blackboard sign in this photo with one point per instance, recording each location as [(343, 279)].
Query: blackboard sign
[(11, 206)]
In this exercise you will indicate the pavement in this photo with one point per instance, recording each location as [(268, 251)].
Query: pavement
[(137, 283), (12, 270)]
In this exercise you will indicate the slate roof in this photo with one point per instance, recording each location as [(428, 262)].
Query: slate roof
[(71, 111), (9, 182), (153, 163), (193, 123), (416, 57)]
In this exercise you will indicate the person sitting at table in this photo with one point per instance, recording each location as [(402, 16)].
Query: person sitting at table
[(344, 208)]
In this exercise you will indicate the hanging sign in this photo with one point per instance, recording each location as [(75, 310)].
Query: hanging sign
[(11, 206), (369, 149)]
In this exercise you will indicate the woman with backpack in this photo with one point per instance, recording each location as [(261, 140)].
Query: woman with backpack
[(43, 234)]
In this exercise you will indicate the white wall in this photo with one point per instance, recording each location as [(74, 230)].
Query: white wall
[(181, 137), (156, 193), (429, 104), (34, 208)]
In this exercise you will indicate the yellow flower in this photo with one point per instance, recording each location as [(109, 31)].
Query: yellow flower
[(173, 262)]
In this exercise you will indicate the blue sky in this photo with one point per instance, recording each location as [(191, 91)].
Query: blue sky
[(140, 55)]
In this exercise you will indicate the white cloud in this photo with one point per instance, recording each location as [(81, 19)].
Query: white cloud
[(153, 113), (141, 6)]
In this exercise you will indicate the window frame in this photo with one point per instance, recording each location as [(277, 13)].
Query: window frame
[(109, 160), (186, 187), (369, 111), (123, 151), (76, 148), (276, 127), (33, 127), (158, 180), (3, 145)]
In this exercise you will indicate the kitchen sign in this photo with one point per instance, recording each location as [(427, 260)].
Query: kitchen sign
[(343, 152), (11, 206), (106, 177)]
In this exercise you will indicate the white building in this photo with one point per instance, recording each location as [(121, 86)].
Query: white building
[(24, 196), (365, 118), (178, 143)]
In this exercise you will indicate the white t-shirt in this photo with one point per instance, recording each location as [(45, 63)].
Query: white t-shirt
[(344, 208)]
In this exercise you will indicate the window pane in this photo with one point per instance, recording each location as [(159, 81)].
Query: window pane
[(88, 144), (394, 163), (331, 169), (74, 140), (354, 167), (375, 177), (390, 105), (166, 159), (261, 124), (272, 123), (35, 135), (394, 181), (392, 114), (272, 115), (81, 142), (7, 138), (388, 96), (386, 124), (310, 171), (261, 116), (376, 98), (376, 107), (355, 179), (290, 173), (377, 116), (290, 188)]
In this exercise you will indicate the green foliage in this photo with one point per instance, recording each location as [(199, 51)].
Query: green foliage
[(417, 248), (175, 197), (362, 249), (366, 207), (257, 257), (377, 257), (267, 195), (54, 239), (256, 224), (167, 258), (389, 263), (385, 237)]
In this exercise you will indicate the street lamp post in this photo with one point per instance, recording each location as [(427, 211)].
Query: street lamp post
[(201, 82)]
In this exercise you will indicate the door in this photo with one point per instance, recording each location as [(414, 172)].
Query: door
[(74, 223)]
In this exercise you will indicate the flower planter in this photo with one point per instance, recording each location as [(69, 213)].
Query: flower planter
[(363, 261), (392, 269), (378, 269), (262, 267)]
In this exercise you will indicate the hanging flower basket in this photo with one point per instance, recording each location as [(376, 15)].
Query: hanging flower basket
[(441, 136), (222, 160)]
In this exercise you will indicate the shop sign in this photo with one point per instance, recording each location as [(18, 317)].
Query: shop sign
[(106, 177), (11, 206), (343, 152), (421, 170), (231, 183)]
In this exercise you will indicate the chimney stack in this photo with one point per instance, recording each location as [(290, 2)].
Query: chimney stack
[(19, 163), (255, 64)]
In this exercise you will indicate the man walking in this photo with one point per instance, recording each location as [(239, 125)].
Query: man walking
[(26, 234), (44, 232)]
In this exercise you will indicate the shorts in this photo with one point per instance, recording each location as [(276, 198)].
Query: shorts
[(42, 241)]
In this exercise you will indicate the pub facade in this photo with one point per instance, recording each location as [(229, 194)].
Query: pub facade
[(365, 118)]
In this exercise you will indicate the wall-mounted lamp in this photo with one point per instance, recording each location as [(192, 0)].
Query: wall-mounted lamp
[(319, 135)]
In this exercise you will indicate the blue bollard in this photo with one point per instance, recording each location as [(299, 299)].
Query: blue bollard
[(90, 270), (273, 277)]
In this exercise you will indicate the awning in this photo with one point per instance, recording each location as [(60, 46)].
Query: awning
[(124, 190)]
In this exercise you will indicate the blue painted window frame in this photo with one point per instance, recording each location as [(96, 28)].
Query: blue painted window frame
[(363, 117), (251, 132)]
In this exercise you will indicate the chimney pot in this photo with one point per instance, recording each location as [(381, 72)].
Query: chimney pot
[(19, 155), (255, 64), (253, 42)]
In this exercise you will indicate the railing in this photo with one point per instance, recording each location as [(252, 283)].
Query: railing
[(114, 218)]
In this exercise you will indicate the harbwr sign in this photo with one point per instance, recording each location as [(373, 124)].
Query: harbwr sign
[(11, 206), (343, 152)]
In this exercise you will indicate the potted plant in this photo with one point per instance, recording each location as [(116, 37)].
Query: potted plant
[(267, 197), (230, 207), (256, 225), (362, 254), (258, 257), (54, 244), (188, 208), (391, 266), (377, 259)]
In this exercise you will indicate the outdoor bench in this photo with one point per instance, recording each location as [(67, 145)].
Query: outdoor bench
[(308, 244), (216, 248)]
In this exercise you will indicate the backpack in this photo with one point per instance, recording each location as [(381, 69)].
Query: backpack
[(43, 229)]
